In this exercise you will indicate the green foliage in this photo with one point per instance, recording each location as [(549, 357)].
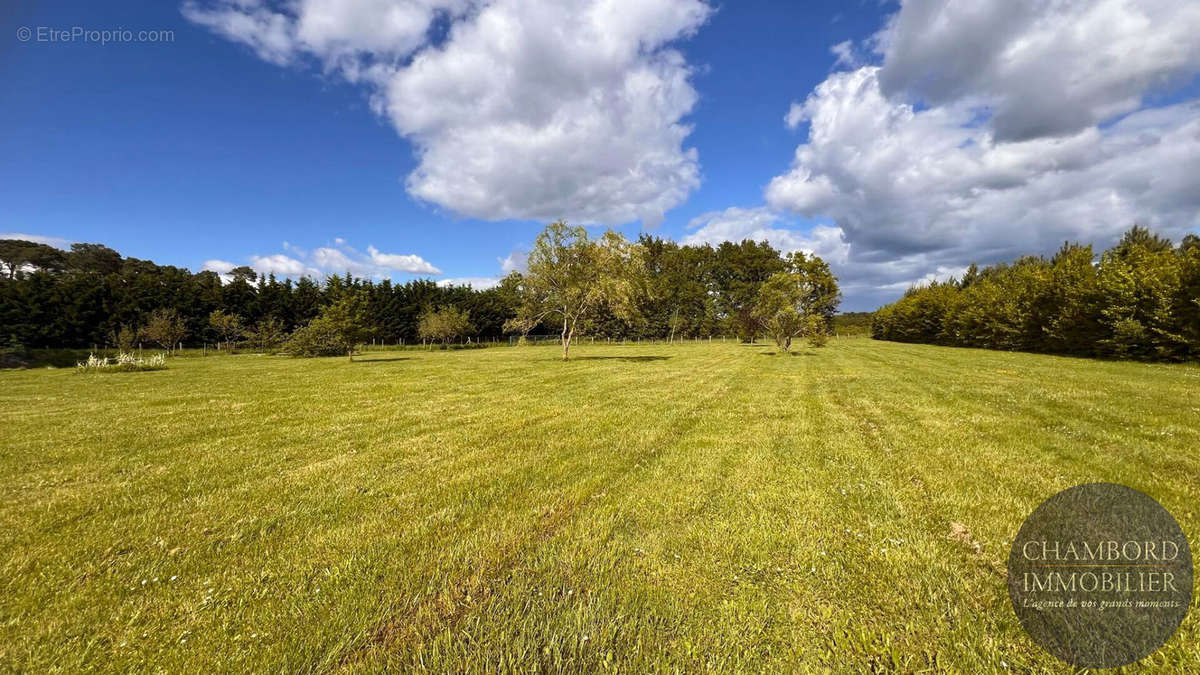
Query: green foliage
[(444, 325), (94, 259), (739, 270), (1138, 301), (817, 331), (777, 309), (818, 289), (124, 338), (14, 355), (338, 330), (520, 325), (572, 279), (1070, 306), (227, 326), (853, 323), (318, 338), (1139, 284), (165, 328), (266, 336), (680, 300), (660, 289), (1187, 299), (799, 301), (18, 255), (86, 303)]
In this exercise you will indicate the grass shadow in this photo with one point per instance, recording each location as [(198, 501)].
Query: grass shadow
[(621, 358), (388, 360)]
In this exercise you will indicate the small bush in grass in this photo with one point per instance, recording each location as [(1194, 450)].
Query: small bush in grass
[(124, 338), (339, 329), (13, 355), (817, 331), (266, 336), (125, 362), (319, 338)]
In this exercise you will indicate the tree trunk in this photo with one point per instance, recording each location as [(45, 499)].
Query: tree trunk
[(566, 339), (567, 344)]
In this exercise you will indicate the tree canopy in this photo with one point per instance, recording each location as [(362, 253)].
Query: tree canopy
[(444, 325), (576, 282), (798, 301), (1139, 299), (571, 278), (339, 329)]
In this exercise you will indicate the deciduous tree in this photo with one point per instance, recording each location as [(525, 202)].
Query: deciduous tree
[(18, 254), (444, 325), (227, 326), (800, 301), (165, 328), (571, 277), (266, 335), (339, 329)]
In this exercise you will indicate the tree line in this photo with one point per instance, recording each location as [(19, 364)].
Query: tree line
[(605, 286), (91, 295), (1139, 299), (585, 286)]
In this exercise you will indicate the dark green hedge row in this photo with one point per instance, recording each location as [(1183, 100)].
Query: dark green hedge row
[(1139, 299)]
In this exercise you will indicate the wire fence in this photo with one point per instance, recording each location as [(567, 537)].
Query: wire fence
[(211, 349), (535, 340)]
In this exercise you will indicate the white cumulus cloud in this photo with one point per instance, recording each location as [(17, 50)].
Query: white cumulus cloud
[(1044, 68), (412, 264), (323, 261), (518, 109), (218, 266), (283, 266), (994, 129), (478, 283), (56, 242), (516, 261), (735, 224)]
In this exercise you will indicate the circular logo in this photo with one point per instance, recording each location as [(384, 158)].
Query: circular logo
[(24, 33), (1100, 575)]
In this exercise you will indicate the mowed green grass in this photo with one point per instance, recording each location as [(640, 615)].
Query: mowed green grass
[(659, 507)]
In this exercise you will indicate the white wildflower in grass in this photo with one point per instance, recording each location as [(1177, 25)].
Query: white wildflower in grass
[(125, 362)]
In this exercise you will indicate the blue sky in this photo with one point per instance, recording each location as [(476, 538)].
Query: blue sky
[(265, 123)]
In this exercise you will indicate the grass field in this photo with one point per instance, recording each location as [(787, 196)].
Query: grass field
[(657, 507)]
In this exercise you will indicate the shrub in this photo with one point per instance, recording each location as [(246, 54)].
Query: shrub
[(14, 355), (817, 331), (124, 338), (266, 335), (319, 338), (337, 331)]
